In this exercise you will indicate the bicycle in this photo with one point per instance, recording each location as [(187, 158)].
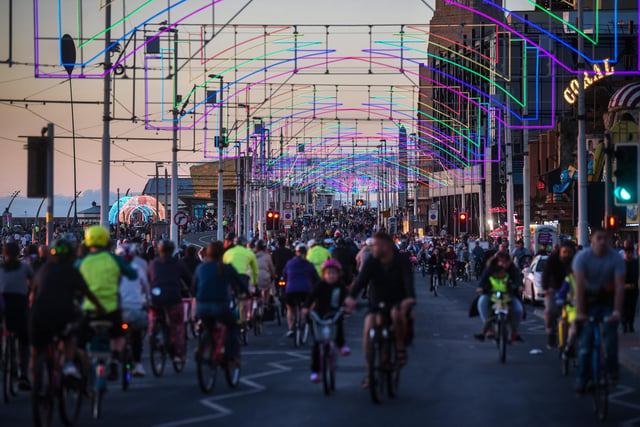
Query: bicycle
[(500, 320), (127, 358), (238, 307), (211, 354), (189, 316), (435, 283), (566, 346), (99, 350), (384, 371), (599, 382), (300, 326), (256, 313), (160, 345), (324, 334), (49, 384), (10, 365)]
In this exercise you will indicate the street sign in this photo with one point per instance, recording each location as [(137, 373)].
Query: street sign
[(433, 217), (287, 205), (181, 219), (287, 215)]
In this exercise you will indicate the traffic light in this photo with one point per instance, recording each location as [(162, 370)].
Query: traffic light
[(270, 220), (276, 221), (463, 222), (612, 222), (625, 189)]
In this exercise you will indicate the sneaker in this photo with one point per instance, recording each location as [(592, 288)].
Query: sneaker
[(580, 387), (479, 337), (138, 370), (24, 384), (113, 371), (516, 338), (490, 335), (178, 360), (70, 370), (314, 378), (290, 333), (345, 350)]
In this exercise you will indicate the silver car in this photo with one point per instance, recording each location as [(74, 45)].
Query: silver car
[(532, 280)]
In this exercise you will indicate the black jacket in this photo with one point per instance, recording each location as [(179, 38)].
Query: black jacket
[(389, 283)]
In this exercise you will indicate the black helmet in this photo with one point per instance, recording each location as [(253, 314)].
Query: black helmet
[(63, 249), (230, 236)]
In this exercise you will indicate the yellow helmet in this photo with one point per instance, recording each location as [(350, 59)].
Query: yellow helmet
[(96, 235)]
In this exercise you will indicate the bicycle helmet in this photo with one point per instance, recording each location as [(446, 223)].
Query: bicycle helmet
[(240, 241), (96, 236), (62, 248), (311, 243), (331, 263)]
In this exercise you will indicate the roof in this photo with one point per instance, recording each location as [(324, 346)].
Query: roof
[(627, 97), (185, 186)]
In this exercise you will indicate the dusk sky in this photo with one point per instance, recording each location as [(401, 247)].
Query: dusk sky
[(18, 82)]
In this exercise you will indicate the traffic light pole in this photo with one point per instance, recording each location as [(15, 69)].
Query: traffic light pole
[(583, 226)]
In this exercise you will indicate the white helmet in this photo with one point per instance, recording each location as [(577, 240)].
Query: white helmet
[(311, 243)]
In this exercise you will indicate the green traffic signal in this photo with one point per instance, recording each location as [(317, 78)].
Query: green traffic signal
[(625, 190)]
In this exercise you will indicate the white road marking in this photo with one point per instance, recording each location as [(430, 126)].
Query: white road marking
[(222, 411)]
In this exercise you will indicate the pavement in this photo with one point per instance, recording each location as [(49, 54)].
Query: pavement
[(451, 380)]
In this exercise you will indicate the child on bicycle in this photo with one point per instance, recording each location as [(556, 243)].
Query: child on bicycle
[(327, 297)]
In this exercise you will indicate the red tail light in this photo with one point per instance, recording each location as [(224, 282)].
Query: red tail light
[(282, 283), (125, 326)]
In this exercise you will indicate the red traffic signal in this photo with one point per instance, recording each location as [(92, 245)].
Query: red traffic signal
[(612, 222), (463, 216), (276, 215), (270, 215)]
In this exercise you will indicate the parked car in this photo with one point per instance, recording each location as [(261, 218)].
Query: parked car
[(532, 280)]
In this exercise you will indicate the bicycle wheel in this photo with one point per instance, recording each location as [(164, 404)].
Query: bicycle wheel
[(436, 284), (564, 362), (600, 388), (393, 370), (157, 350), (70, 396), (41, 397), (502, 339), (305, 333), (96, 403), (232, 373), (325, 357), (10, 369), (278, 316), (206, 368), (127, 367), (376, 381)]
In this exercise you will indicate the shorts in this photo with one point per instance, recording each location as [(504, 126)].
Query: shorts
[(115, 331), (45, 328), (294, 298)]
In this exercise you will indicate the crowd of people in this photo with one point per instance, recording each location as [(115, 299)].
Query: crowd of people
[(327, 266)]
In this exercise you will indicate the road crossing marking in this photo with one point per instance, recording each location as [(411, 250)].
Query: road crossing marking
[(222, 411)]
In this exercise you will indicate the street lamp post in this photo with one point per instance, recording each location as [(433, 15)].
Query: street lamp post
[(220, 171)]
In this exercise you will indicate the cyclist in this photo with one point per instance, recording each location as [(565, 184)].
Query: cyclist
[(501, 275), (244, 261), (317, 255), (266, 272), (15, 278), (566, 296), (281, 256), (436, 267), (327, 297), (364, 254), (478, 259), (212, 284), (55, 303), (300, 276), (390, 279), (600, 273), (346, 258), (167, 279), (101, 271), (519, 254), (556, 268), (450, 260), (133, 299)]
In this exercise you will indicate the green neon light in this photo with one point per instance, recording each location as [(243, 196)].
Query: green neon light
[(117, 23), (568, 24)]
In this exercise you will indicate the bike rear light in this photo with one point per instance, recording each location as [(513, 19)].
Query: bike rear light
[(125, 326)]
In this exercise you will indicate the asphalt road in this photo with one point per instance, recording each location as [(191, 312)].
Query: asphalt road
[(451, 380)]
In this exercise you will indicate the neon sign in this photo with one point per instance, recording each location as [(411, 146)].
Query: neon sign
[(571, 92)]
